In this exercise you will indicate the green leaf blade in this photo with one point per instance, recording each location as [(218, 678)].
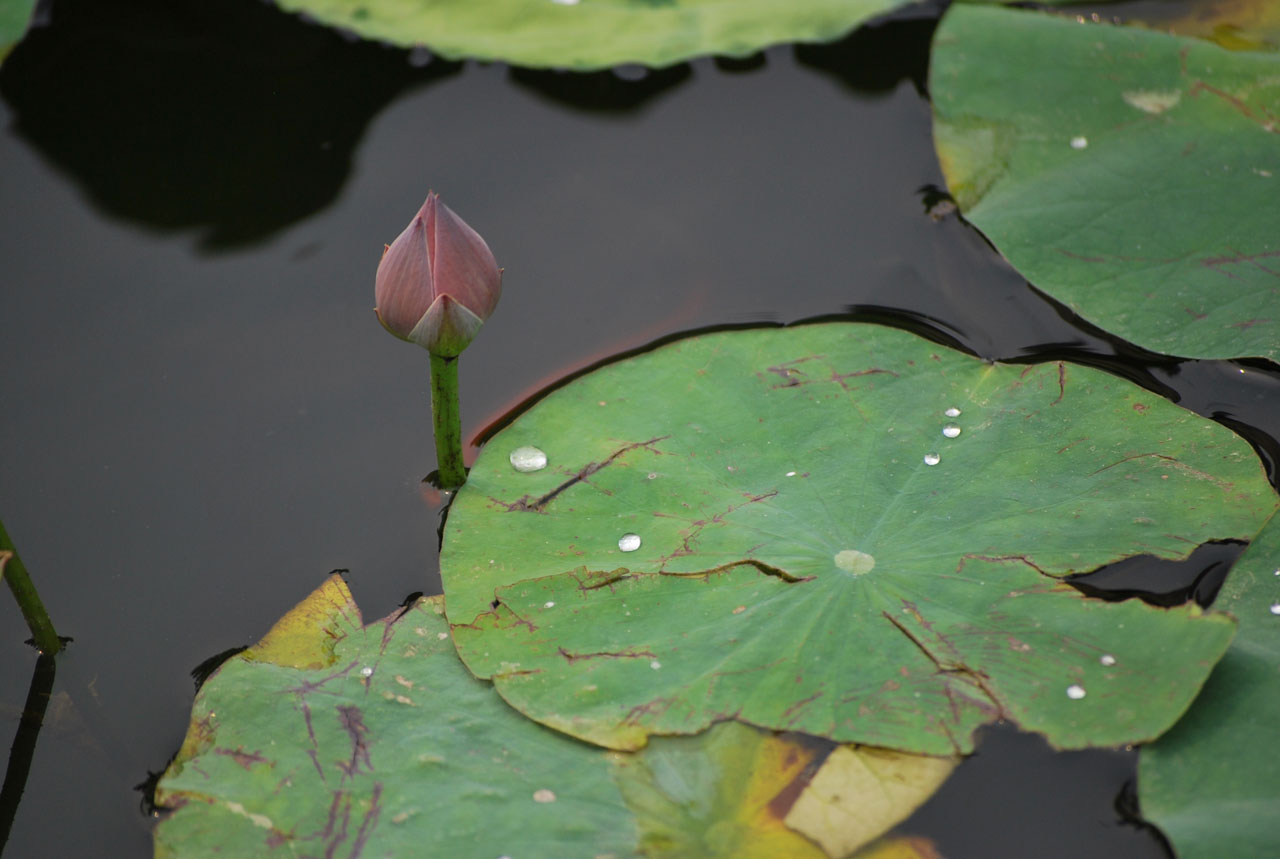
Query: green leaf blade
[(592, 34), (1209, 783), (802, 567), (1129, 174)]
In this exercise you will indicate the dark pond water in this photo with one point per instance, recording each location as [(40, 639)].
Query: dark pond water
[(200, 417)]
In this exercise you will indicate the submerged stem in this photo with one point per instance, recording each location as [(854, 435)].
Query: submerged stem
[(448, 421), (24, 591)]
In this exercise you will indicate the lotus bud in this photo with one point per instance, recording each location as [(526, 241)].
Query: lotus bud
[(437, 282)]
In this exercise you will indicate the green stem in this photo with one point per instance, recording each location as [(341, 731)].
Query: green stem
[(448, 421), (24, 591)]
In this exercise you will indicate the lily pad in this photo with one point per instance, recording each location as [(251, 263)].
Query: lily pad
[(293, 748), (1210, 783), (333, 738), (15, 17), (1130, 174), (844, 530), (592, 34), (718, 794)]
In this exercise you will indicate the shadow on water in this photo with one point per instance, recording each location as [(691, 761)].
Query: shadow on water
[(235, 120)]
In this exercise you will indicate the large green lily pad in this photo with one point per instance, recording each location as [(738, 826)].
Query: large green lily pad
[(802, 566), (334, 738), (592, 34), (1130, 174), (1210, 783)]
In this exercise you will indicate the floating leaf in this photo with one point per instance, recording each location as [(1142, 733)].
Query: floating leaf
[(717, 794), (1210, 783), (293, 748), (798, 564), (861, 791), (15, 18), (1130, 174), (592, 34), (333, 738)]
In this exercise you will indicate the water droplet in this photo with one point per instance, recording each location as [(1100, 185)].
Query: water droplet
[(1079, 142), (527, 458), (951, 430), (655, 665), (932, 459), (1278, 572), (1275, 608), (544, 795), (793, 474), (853, 561), (565, 2), (629, 542), (549, 604), (366, 671), (1107, 659), (952, 412), (1075, 692)]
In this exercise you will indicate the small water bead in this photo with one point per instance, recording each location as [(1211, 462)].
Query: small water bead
[(951, 430), (366, 671), (629, 542), (528, 458), (655, 665), (793, 474), (932, 459), (1107, 659), (1075, 692), (952, 412), (1275, 608), (549, 604), (1079, 142)]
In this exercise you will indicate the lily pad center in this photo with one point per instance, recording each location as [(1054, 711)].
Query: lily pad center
[(855, 562)]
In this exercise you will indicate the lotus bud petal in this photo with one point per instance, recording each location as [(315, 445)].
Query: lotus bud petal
[(437, 282)]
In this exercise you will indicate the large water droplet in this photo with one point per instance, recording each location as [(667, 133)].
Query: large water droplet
[(1107, 659), (528, 458), (853, 561), (629, 542), (1075, 692), (932, 459), (951, 430), (952, 412)]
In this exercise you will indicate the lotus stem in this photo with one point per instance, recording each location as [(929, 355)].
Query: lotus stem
[(448, 421), (24, 591)]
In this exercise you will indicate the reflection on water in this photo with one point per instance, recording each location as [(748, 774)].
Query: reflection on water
[(234, 120)]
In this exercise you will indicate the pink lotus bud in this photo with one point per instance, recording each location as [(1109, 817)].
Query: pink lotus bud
[(437, 282)]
